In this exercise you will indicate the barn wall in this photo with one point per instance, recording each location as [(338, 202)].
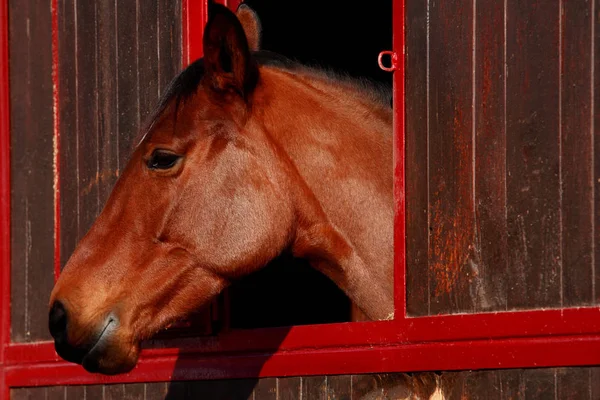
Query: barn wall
[(32, 215), (501, 174), (114, 58), (559, 383)]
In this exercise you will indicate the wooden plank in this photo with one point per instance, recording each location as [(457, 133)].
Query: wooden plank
[(512, 385), (266, 389), (28, 393), (134, 391), (289, 388), (484, 385), (596, 133), (20, 221), (108, 113), (594, 382), (314, 388), (169, 36), (69, 153), (573, 383), (490, 262), (32, 194), (76, 393), (56, 393), (212, 389), (417, 232), (156, 391), (339, 387), (533, 190), (451, 205), (540, 384), (576, 154), (113, 392), (87, 115), (127, 79), (147, 58)]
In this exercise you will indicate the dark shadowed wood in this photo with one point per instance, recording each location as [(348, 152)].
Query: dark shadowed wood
[(490, 262), (339, 387), (576, 155), (451, 205), (69, 152), (314, 388), (417, 298), (108, 115), (32, 195), (573, 383), (533, 154), (87, 115), (266, 389), (289, 388)]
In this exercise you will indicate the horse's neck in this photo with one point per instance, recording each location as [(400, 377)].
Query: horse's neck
[(341, 145)]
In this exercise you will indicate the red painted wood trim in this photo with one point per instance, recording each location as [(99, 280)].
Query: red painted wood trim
[(451, 328), (465, 355), (4, 198), (4, 183), (399, 165), (56, 137), (194, 14)]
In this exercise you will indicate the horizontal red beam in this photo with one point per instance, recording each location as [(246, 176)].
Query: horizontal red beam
[(538, 323), (466, 355)]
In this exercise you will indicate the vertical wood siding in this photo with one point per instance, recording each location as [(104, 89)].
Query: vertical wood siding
[(115, 58), (529, 384), (502, 168)]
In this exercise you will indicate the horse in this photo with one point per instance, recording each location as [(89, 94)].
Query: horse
[(247, 155)]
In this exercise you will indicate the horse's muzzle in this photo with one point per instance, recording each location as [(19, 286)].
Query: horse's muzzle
[(85, 353)]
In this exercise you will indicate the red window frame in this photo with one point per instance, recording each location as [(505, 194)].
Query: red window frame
[(540, 338)]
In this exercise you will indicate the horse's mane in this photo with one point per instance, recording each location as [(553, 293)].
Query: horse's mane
[(187, 82)]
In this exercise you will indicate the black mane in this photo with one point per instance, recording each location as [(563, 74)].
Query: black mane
[(187, 82)]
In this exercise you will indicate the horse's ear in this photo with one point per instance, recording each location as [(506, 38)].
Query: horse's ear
[(227, 60), (251, 24)]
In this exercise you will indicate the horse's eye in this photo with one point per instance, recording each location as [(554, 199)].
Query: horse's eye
[(162, 159)]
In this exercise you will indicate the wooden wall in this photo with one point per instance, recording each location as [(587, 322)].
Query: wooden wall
[(501, 185), (502, 144), (532, 384), (114, 59)]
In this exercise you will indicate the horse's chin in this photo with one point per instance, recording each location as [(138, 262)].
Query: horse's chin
[(115, 357)]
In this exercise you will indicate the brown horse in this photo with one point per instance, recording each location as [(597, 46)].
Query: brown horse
[(248, 155)]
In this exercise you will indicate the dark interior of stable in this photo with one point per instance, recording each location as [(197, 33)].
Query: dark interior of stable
[(346, 37)]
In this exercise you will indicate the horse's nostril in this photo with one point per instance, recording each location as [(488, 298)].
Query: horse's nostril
[(57, 320)]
